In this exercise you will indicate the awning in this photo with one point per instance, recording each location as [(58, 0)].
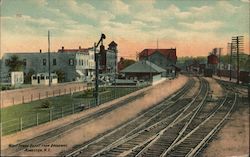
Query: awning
[(79, 72)]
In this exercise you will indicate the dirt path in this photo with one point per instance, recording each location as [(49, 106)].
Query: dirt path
[(86, 132)]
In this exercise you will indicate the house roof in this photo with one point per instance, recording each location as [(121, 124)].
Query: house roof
[(84, 50), (143, 67), (168, 53)]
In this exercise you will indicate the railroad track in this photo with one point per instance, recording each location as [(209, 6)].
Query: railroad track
[(240, 89), (49, 136), (193, 142), (189, 141), (137, 124), (61, 130), (144, 138)]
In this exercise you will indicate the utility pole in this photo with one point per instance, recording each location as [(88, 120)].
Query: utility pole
[(49, 56), (238, 41), (96, 75), (97, 69), (230, 48), (220, 50)]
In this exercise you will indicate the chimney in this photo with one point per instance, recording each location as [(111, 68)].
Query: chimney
[(40, 51), (62, 48)]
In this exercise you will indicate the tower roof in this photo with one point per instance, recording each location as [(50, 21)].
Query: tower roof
[(113, 44)]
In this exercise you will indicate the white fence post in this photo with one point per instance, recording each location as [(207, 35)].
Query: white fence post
[(37, 122), (1, 125), (50, 115), (21, 124)]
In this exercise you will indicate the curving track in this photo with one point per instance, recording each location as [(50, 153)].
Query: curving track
[(145, 138), (49, 136), (189, 137), (166, 112), (181, 128)]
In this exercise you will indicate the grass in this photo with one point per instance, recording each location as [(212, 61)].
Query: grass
[(35, 113)]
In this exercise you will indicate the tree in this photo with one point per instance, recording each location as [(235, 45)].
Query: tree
[(60, 74), (128, 62), (27, 77), (14, 64)]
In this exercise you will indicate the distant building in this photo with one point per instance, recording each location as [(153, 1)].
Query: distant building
[(143, 70), (213, 60), (196, 67), (164, 58), (120, 64), (108, 60), (43, 79), (76, 64), (17, 78)]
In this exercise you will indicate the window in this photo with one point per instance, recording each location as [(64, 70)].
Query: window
[(44, 61), (34, 77), (42, 77), (24, 62), (54, 61), (7, 61), (71, 62)]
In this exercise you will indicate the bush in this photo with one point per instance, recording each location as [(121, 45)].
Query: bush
[(46, 104)]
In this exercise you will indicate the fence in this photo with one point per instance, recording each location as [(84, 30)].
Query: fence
[(9, 98), (19, 124)]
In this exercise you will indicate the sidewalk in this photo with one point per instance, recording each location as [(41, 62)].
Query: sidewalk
[(24, 95)]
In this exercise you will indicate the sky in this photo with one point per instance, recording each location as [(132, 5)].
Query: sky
[(193, 27)]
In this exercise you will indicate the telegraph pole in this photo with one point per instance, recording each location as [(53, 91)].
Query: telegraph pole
[(238, 41), (220, 49), (230, 48), (49, 56)]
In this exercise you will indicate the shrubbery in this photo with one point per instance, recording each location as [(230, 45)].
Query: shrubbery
[(46, 104)]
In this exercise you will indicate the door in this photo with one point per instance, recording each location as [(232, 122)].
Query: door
[(38, 79)]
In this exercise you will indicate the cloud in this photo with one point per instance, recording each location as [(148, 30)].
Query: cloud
[(228, 7), (119, 7), (42, 2), (198, 25), (89, 11), (246, 1), (28, 19)]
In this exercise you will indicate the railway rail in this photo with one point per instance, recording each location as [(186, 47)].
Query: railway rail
[(146, 137), (169, 111), (62, 130), (184, 129), (190, 140)]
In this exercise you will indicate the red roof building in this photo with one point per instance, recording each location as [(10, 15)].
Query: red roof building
[(169, 54)]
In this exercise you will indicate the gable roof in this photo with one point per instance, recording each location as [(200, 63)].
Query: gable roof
[(143, 67), (168, 53)]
